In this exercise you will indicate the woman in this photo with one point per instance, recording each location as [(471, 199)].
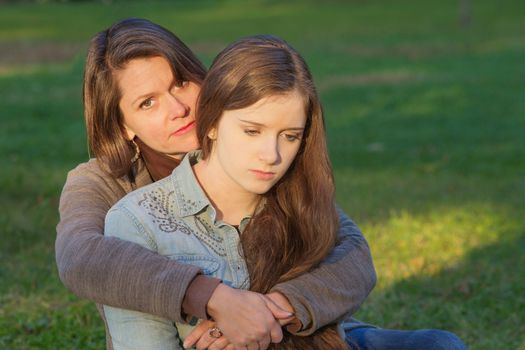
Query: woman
[(263, 181), (90, 263)]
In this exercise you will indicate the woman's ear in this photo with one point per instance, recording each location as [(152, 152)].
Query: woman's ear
[(129, 133)]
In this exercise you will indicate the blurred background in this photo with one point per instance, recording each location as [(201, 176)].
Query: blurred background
[(425, 112)]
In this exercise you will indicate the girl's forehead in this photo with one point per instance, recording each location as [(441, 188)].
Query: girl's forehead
[(281, 111)]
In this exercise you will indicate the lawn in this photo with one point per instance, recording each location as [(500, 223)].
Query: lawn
[(425, 120)]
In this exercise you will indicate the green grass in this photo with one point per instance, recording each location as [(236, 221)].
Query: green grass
[(425, 122)]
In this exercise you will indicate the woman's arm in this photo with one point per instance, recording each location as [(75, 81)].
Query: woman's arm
[(337, 287), (109, 270)]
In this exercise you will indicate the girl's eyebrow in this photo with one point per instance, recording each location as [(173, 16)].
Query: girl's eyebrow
[(261, 125), (251, 122)]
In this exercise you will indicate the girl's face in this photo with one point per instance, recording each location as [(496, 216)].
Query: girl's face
[(156, 107), (255, 146)]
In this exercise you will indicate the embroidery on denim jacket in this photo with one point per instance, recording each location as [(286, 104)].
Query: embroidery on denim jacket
[(207, 235), (159, 205)]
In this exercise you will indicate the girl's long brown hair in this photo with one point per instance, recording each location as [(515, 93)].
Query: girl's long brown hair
[(296, 227)]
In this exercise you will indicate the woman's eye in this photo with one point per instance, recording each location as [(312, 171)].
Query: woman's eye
[(251, 132), (181, 84), (147, 104)]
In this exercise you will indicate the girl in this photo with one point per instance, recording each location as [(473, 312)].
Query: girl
[(117, 93), (255, 207)]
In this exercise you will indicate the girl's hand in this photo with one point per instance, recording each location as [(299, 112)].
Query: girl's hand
[(201, 338), (247, 319)]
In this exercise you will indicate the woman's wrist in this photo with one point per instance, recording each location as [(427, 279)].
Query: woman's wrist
[(198, 295)]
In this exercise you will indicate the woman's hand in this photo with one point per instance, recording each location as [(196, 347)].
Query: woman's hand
[(282, 302), (200, 336), (247, 319)]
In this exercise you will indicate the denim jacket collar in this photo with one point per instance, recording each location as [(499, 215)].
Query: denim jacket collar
[(190, 197)]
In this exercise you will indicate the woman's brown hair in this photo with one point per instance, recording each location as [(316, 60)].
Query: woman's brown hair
[(296, 227), (110, 51)]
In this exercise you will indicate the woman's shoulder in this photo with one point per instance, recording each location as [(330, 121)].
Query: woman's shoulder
[(90, 172), (90, 168), (92, 177)]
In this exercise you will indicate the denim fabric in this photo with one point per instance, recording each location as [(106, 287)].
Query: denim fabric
[(174, 218), (372, 338)]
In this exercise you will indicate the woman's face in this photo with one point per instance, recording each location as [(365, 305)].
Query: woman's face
[(255, 146), (156, 107)]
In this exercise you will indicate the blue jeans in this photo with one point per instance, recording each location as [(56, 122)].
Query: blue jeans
[(371, 338)]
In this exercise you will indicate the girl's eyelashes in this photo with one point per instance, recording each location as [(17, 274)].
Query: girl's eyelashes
[(251, 132), (288, 136), (292, 137)]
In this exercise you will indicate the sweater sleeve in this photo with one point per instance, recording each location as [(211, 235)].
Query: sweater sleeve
[(337, 287), (88, 262)]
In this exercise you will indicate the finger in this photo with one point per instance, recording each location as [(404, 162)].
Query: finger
[(286, 321), (198, 332), (219, 344), (205, 341), (253, 346), (277, 311), (264, 344), (276, 334)]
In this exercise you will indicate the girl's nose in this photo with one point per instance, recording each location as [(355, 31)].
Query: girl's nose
[(269, 151)]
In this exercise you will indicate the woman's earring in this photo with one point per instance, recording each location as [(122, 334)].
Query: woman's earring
[(212, 135), (137, 151)]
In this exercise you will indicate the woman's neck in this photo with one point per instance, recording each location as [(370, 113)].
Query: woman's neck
[(231, 202)]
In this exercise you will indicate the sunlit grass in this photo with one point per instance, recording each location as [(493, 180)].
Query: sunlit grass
[(425, 122)]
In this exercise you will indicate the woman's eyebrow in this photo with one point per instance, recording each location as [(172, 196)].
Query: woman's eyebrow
[(141, 97)]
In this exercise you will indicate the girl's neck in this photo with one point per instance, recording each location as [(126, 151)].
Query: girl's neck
[(230, 201)]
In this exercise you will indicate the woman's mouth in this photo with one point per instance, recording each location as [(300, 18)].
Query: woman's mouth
[(184, 129)]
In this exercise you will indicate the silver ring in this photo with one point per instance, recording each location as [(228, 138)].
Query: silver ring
[(215, 332)]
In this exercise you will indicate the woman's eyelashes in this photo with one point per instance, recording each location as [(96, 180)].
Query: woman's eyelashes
[(180, 84), (147, 103)]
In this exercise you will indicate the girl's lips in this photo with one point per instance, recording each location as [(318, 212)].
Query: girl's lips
[(184, 129), (263, 175)]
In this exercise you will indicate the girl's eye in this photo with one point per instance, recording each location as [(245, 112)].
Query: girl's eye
[(291, 137), (146, 104), (251, 132)]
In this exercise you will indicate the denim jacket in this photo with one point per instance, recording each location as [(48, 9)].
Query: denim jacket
[(172, 217)]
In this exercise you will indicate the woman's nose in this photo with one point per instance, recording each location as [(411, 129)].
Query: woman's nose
[(178, 109)]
